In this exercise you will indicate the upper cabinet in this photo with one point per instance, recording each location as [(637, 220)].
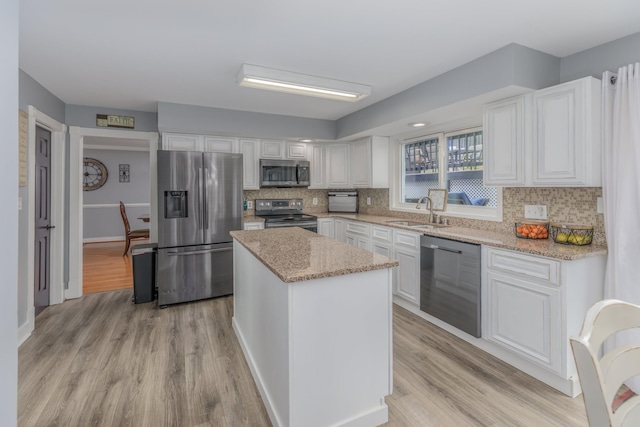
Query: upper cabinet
[(220, 145), (271, 149), (181, 142), (337, 156), (249, 150), (318, 168), (504, 142), (296, 150), (370, 162), (566, 134), (549, 138)]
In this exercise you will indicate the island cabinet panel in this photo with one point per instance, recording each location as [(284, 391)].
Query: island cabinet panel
[(320, 355), (326, 227)]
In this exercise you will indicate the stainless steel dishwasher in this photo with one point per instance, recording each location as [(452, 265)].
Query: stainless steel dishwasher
[(450, 282)]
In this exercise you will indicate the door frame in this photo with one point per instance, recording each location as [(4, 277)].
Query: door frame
[(76, 154), (56, 272)]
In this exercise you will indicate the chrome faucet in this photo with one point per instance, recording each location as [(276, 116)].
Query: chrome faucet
[(429, 205)]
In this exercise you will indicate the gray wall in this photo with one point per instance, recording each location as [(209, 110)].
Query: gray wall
[(511, 65), (85, 116), (33, 93), (9, 215), (218, 121), (105, 222), (606, 57)]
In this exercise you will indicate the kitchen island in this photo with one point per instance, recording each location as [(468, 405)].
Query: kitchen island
[(313, 317)]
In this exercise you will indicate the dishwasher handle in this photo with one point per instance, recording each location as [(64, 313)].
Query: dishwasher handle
[(431, 246)]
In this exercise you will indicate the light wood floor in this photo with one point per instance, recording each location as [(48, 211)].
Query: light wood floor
[(102, 361), (104, 268)]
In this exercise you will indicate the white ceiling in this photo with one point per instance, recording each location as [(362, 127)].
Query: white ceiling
[(130, 54)]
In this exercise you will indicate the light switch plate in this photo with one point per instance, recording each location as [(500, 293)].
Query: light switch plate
[(368, 201), (249, 204), (315, 201), (599, 205), (535, 211)]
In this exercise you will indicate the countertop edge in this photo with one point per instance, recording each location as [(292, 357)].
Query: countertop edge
[(586, 251)]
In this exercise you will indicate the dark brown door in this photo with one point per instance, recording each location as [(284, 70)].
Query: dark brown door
[(43, 218)]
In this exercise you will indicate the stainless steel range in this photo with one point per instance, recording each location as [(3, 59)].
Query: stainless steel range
[(285, 213)]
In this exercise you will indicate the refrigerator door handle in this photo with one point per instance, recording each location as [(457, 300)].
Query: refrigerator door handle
[(201, 191), (204, 251), (205, 206)]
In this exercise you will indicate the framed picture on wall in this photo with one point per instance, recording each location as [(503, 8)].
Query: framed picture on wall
[(124, 173)]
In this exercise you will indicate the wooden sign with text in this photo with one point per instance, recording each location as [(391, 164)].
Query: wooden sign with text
[(111, 121)]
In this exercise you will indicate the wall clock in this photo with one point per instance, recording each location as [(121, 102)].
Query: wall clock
[(94, 174)]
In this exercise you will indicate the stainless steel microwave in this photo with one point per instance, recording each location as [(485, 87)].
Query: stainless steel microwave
[(284, 173)]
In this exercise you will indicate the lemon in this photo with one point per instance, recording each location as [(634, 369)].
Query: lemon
[(571, 239), (561, 237), (579, 240)]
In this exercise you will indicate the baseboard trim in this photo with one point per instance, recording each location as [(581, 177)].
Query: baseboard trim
[(25, 330)]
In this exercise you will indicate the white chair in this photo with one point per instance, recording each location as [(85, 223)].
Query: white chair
[(601, 377)]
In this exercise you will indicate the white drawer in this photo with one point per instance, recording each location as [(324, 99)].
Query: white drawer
[(381, 233), (359, 228), (525, 265), (406, 239)]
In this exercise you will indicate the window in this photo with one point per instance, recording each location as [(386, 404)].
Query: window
[(447, 160)]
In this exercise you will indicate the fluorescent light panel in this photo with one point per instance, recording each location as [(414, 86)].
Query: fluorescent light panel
[(300, 84)]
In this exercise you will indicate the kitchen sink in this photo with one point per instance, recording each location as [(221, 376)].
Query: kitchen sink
[(406, 223)]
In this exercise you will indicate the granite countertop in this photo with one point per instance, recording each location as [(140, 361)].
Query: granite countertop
[(252, 218), (543, 247), (295, 255)]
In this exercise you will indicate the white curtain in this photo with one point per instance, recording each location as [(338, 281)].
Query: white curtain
[(621, 190)]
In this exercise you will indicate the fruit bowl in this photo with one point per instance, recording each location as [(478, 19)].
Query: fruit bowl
[(530, 229), (572, 234)]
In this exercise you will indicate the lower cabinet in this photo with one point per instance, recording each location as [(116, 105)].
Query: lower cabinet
[(326, 227), (258, 225), (407, 251), (524, 317), (339, 226), (532, 305)]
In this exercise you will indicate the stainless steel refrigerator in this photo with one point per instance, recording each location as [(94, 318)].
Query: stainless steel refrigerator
[(199, 203)]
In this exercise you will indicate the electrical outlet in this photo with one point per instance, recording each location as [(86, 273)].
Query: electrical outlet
[(599, 205), (368, 201), (315, 201), (535, 211), (249, 204)]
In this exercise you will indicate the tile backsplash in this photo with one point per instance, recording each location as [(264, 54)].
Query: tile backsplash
[(574, 205)]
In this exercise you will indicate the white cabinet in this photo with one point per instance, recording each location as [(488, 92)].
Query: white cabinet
[(296, 150), (382, 241), (370, 162), (220, 145), (339, 227), (406, 248), (326, 227), (271, 149), (249, 150), (181, 142), (533, 304), (257, 225), (338, 171), (548, 138), (504, 135), (358, 234), (318, 169), (566, 135)]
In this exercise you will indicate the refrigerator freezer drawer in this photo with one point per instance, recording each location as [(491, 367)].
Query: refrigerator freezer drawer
[(193, 273)]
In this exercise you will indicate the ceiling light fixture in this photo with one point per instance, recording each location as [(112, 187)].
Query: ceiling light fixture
[(306, 140), (417, 125), (300, 84)]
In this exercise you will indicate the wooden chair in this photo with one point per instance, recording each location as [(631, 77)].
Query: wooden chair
[(129, 233), (601, 377)]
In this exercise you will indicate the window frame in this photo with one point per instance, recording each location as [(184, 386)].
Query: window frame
[(488, 213)]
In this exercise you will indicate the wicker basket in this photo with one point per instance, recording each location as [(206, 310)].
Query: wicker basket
[(531, 229), (572, 234)]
